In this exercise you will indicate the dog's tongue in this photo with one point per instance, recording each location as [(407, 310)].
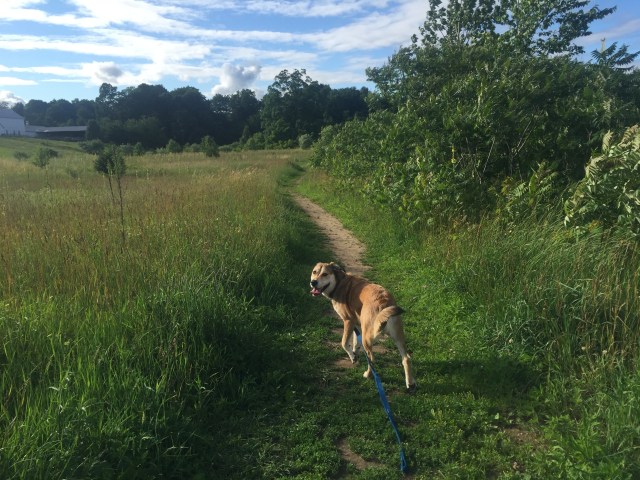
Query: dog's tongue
[(315, 292)]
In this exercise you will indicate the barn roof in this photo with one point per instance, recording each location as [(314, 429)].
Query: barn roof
[(6, 113)]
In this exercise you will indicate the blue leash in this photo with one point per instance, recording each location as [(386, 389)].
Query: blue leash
[(385, 404)]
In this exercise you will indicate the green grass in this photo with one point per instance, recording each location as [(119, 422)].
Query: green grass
[(525, 340), (10, 145), (169, 355), (194, 349)]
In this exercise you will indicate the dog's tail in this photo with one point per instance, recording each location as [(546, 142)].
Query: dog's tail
[(386, 313)]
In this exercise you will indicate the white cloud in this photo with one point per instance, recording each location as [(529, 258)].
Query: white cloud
[(128, 42), (320, 8), (10, 98), (376, 30), (289, 8), (235, 77), (7, 81)]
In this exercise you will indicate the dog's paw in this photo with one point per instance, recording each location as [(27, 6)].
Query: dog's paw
[(411, 388)]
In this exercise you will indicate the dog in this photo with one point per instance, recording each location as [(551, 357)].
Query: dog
[(360, 303)]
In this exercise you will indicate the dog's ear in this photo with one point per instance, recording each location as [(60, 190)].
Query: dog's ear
[(338, 271), (335, 267)]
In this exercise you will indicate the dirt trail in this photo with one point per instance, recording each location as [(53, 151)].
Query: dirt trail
[(348, 252), (347, 249)]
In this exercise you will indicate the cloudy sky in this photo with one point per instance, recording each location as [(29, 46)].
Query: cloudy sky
[(67, 48)]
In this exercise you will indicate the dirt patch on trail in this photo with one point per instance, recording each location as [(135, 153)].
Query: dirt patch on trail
[(347, 249), (347, 454)]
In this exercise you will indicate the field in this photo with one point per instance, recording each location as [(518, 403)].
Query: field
[(163, 354), (182, 342)]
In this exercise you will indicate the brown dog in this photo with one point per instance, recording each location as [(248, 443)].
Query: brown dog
[(366, 305)]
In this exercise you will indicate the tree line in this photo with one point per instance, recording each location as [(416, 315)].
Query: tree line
[(294, 109)]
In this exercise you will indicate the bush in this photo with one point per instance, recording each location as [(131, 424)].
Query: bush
[(256, 141), (609, 195), (110, 162), (305, 141), (93, 147), (20, 156), (535, 196), (173, 146), (209, 146)]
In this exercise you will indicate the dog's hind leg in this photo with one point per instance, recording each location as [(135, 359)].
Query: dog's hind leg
[(355, 344), (396, 332), (346, 333), (367, 345)]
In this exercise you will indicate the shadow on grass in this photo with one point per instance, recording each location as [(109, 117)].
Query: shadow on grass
[(493, 377)]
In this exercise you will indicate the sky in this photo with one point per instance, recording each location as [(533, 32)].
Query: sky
[(65, 49)]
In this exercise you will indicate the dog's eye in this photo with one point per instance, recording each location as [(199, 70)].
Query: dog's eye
[(324, 274)]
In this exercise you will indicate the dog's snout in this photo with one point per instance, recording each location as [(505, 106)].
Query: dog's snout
[(314, 283)]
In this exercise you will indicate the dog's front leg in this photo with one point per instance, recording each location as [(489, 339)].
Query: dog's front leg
[(347, 334)]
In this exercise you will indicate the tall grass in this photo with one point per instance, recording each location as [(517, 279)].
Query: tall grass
[(138, 362), (573, 306)]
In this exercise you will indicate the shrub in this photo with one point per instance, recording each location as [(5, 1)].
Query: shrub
[(305, 141), (209, 146), (20, 156), (609, 195), (173, 146), (256, 141), (521, 200), (138, 149), (92, 146), (110, 162)]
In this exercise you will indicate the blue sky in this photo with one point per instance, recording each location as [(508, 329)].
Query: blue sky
[(68, 48)]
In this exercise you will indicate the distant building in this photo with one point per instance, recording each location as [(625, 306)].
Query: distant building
[(11, 123), (57, 133)]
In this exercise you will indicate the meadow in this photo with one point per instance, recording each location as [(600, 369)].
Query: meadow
[(154, 356), (191, 348)]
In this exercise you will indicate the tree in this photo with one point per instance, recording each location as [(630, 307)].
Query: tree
[(106, 103), (35, 112), (144, 101), (59, 113), (191, 117), (235, 117), (110, 162), (346, 104), (43, 156), (85, 111), (209, 146), (294, 105), (19, 109), (614, 57), (244, 114), (541, 27)]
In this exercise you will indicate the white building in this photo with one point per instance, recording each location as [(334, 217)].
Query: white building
[(11, 123)]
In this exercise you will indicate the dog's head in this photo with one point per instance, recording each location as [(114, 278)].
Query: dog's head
[(325, 277)]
